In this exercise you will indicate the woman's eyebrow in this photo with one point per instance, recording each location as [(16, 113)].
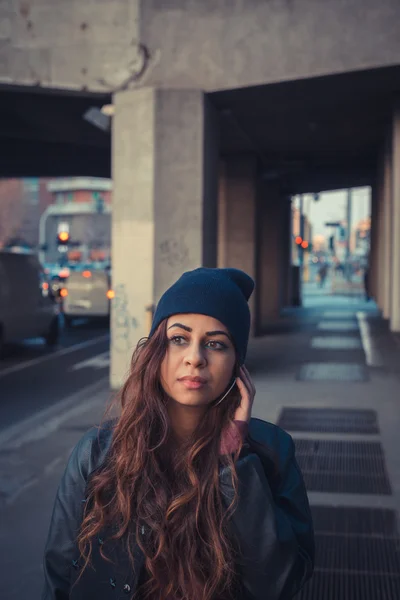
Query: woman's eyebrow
[(185, 327), (208, 333), (217, 332)]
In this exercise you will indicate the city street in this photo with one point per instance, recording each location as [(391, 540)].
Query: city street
[(33, 378), (260, 140)]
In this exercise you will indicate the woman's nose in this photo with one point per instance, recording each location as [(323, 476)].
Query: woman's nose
[(195, 355)]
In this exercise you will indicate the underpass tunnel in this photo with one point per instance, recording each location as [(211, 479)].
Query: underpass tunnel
[(207, 179), (307, 137)]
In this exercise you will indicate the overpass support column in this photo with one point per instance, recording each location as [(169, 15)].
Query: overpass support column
[(387, 232), (378, 198), (395, 263), (237, 217), (287, 276), (165, 172), (272, 222), (373, 257)]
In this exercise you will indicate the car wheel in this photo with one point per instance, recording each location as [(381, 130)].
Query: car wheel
[(67, 322), (53, 334)]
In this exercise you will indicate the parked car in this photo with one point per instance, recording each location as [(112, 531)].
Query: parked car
[(27, 307), (87, 293)]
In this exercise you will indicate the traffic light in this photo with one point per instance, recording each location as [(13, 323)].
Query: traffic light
[(63, 237), (303, 243), (62, 241)]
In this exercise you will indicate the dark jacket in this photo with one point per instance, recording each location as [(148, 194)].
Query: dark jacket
[(272, 523)]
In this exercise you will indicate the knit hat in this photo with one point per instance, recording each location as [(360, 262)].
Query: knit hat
[(218, 293)]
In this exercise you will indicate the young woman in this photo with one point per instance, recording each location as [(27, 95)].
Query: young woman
[(184, 496)]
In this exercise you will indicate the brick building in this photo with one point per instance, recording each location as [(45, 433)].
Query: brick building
[(22, 202)]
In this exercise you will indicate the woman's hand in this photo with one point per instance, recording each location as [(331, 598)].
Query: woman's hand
[(247, 392)]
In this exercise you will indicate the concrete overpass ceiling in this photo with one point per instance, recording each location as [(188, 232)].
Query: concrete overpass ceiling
[(313, 134), (44, 133), (326, 129)]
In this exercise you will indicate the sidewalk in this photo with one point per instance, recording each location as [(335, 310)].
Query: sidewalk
[(312, 378)]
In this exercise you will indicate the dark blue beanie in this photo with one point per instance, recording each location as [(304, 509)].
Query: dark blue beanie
[(218, 293)]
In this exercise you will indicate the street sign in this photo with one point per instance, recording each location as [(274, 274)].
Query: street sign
[(333, 224)]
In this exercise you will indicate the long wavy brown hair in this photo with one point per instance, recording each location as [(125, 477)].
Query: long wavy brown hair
[(172, 492)]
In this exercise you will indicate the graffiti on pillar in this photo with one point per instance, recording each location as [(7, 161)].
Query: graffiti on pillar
[(123, 323), (173, 251)]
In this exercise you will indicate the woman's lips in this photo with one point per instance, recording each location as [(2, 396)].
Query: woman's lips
[(193, 383)]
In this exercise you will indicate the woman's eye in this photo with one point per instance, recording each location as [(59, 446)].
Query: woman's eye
[(177, 339), (215, 345)]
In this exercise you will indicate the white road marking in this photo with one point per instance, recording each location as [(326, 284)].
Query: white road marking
[(47, 357), (373, 357), (101, 361)]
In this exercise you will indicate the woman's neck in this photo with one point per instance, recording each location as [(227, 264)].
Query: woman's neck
[(184, 419)]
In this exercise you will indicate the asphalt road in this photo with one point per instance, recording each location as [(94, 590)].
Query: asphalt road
[(33, 377)]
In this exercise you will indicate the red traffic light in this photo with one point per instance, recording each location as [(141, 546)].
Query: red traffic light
[(298, 240), (304, 245)]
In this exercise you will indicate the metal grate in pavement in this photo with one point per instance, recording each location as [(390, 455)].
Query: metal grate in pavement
[(367, 554), (330, 585), (344, 467), (347, 483), (360, 465), (334, 342), (333, 371), (329, 420), (357, 555), (349, 520), (339, 314), (327, 447)]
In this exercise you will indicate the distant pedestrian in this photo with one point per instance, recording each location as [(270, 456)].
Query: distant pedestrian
[(322, 274), (366, 284), (184, 496)]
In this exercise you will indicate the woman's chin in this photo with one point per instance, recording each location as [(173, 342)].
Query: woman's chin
[(192, 400)]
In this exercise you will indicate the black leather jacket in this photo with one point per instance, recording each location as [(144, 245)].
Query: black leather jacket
[(272, 522)]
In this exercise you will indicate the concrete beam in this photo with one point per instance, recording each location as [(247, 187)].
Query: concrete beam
[(226, 45), (201, 44), (326, 179)]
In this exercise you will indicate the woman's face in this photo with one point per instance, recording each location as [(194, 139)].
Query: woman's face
[(200, 359)]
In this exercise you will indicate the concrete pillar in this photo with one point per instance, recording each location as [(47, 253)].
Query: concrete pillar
[(286, 299), (271, 225), (165, 153), (379, 233), (395, 263), (237, 216), (387, 231), (373, 256)]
